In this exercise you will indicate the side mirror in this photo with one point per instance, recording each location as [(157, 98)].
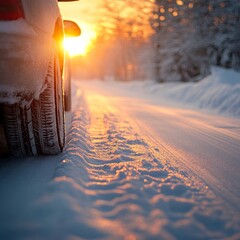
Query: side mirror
[(71, 29)]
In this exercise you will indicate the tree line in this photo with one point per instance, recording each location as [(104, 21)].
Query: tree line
[(168, 40), (190, 35)]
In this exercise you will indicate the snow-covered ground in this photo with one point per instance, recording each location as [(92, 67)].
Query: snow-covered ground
[(219, 92), (141, 162)]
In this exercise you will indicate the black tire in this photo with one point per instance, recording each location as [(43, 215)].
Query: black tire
[(48, 114), (18, 129)]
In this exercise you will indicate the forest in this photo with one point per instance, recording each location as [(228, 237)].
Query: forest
[(163, 40)]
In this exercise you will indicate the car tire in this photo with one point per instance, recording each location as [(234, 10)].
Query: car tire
[(48, 113), (17, 124), (37, 129)]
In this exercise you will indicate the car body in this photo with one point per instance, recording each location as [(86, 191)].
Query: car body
[(32, 63)]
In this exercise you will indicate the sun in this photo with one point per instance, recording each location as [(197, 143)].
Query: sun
[(80, 45), (75, 46)]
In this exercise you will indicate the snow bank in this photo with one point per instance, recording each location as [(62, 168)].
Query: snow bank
[(219, 92)]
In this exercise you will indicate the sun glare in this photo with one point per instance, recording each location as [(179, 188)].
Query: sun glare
[(80, 45)]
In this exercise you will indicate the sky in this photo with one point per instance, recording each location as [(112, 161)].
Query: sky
[(79, 11), (84, 13)]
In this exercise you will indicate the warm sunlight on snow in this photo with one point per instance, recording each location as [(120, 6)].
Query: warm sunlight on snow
[(80, 45)]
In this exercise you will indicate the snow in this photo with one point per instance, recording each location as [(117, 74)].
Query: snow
[(135, 167), (17, 27), (219, 92), (26, 48)]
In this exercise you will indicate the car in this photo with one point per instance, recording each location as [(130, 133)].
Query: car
[(32, 67)]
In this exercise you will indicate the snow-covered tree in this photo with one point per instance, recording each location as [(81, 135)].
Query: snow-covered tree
[(181, 46), (225, 33)]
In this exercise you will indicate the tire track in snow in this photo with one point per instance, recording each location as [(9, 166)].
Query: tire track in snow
[(112, 184)]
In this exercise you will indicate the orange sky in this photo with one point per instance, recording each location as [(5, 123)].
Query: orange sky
[(84, 13), (80, 11)]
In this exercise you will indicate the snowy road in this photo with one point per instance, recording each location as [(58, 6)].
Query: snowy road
[(133, 168)]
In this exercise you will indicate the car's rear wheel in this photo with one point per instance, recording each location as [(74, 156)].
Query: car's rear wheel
[(17, 125), (48, 114), (38, 128)]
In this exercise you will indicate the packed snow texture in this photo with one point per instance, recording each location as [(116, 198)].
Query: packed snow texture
[(110, 183)]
